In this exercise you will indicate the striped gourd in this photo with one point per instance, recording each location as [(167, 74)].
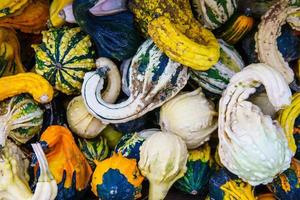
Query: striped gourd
[(214, 13), (154, 79), (63, 58), (216, 79)]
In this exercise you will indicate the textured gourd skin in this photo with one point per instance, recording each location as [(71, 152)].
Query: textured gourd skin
[(65, 160), (31, 83), (9, 7), (63, 58), (117, 178), (115, 36), (286, 185), (10, 58), (223, 186), (33, 18)]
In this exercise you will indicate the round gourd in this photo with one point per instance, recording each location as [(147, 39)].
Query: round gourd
[(213, 13), (112, 136), (198, 171), (216, 79), (63, 58), (21, 119), (117, 178), (94, 149)]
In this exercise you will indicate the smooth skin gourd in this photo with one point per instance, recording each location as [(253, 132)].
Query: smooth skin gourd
[(9, 7)]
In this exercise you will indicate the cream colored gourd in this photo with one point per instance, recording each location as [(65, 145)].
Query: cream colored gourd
[(263, 102), (190, 116), (252, 145), (163, 158)]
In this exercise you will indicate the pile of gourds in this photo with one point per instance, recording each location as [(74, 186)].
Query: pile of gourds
[(98, 98)]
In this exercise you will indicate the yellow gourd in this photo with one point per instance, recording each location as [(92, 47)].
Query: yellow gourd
[(31, 83), (9, 7), (55, 9)]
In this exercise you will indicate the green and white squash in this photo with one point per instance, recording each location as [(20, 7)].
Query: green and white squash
[(214, 13), (21, 119), (153, 80), (94, 149), (216, 79), (63, 58)]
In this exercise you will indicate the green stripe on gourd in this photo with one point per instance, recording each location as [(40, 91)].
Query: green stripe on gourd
[(63, 58), (216, 79), (214, 13)]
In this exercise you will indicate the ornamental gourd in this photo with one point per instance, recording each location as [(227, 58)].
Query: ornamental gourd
[(117, 178), (9, 7), (114, 35), (223, 185), (252, 145), (199, 170), (216, 79), (20, 118), (66, 162), (176, 32), (214, 13), (56, 8), (33, 18), (268, 31), (163, 161), (34, 84), (63, 58), (154, 79), (10, 58), (190, 116)]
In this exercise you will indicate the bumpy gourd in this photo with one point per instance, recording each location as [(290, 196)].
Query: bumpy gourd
[(252, 145), (63, 58), (117, 178), (190, 116), (66, 160), (176, 32), (94, 149), (198, 171), (214, 13), (216, 79), (163, 161), (9, 7), (114, 35), (34, 84), (268, 31), (56, 8), (33, 18), (154, 79), (10, 58), (20, 119), (223, 185)]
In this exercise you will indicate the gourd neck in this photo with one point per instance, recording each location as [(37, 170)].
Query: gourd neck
[(158, 191)]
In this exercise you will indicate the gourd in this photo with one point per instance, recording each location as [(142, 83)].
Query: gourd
[(263, 102), (14, 177), (130, 144), (9, 7), (257, 7), (216, 79), (115, 35), (163, 158), (154, 79), (198, 171), (117, 178), (293, 19), (56, 8), (66, 162), (286, 185), (214, 13), (63, 58), (224, 185), (176, 32), (190, 116), (287, 118), (252, 145), (34, 84), (267, 196), (268, 31), (20, 118), (33, 18), (94, 149), (10, 59)]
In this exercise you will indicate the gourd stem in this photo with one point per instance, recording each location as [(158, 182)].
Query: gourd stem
[(158, 191)]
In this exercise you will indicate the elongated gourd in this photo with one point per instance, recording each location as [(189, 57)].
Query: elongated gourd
[(31, 83)]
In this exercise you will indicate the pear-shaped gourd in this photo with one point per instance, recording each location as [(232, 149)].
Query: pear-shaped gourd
[(190, 116), (163, 161), (252, 145)]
